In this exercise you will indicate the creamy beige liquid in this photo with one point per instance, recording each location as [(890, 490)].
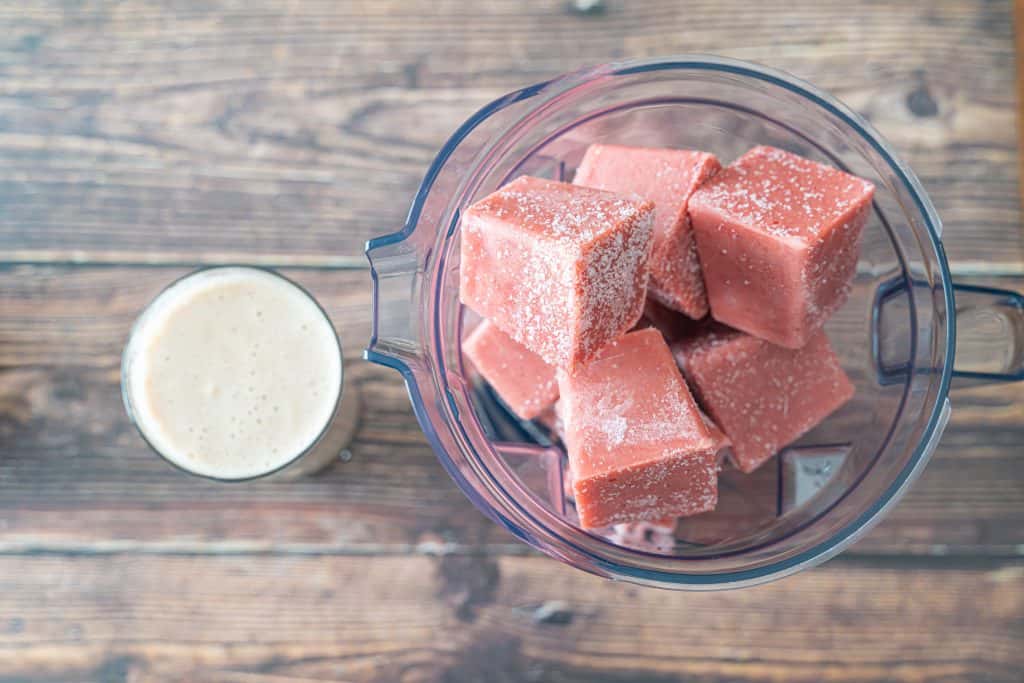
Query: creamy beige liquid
[(232, 372)]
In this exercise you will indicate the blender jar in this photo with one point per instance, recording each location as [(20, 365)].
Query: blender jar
[(895, 335)]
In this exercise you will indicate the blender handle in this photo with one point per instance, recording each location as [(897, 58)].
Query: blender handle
[(990, 326), (396, 268), (990, 334)]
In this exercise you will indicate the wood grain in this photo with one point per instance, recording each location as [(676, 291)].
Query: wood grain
[(69, 446), (290, 133), (80, 317), (1018, 22), (457, 618), (142, 137)]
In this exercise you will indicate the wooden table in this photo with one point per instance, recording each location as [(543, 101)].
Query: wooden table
[(138, 139)]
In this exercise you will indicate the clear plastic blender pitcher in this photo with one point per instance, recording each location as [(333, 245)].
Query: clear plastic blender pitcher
[(895, 335)]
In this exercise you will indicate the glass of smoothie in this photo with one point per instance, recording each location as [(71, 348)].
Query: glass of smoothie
[(234, 373)]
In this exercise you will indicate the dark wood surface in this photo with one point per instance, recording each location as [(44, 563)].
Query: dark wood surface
[(138, 139)]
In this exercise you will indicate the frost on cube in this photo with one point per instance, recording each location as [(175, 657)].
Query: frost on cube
[(667, 177), (561, 269), (761, 395), (638, 448), (778, 240), (520, 377)]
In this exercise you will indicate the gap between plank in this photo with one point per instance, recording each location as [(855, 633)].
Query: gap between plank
[(935, 557), (957, 269), (184, 260)]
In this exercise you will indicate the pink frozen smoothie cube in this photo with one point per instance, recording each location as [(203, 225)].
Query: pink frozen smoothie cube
[(637, 446), (561, 269), (761, 395), (667, 177), (525, 382), (778, 241), (568, 488)]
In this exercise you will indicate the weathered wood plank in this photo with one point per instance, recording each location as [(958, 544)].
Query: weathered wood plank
[(75, 476), (1018, 20), (80, 317), (287, 133), (452, 618), (291, 133)]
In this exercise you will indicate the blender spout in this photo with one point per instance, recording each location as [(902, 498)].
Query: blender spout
[(396, 268)]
